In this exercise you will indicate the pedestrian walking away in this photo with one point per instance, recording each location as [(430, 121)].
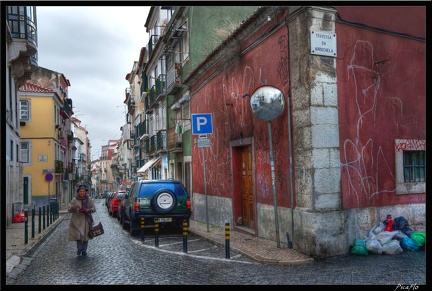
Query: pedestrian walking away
[(81, 206)]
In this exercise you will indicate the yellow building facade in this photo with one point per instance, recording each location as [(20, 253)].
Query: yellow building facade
[(41, 154)]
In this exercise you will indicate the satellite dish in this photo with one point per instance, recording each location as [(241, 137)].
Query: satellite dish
[(267, 102)]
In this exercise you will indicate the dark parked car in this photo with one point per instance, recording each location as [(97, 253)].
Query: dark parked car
[(166, 200), (113, 204)]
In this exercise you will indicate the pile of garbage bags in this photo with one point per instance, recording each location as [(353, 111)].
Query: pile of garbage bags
[(391, 237)]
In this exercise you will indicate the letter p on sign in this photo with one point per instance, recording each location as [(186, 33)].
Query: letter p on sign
[(202, 123)]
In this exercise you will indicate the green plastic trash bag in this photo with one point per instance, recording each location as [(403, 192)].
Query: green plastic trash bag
[(359, 248), (419, 238)]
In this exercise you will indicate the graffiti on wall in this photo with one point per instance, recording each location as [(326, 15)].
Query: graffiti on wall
[(232, 115), (410, 144), (366, 160)]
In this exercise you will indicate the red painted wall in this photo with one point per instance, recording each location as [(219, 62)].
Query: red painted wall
[(382, 97), (232, 116)]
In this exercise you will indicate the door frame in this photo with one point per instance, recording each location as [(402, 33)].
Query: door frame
[(236, 178), (27, 189)]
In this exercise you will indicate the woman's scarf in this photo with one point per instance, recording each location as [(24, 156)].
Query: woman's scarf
[(85, 202)]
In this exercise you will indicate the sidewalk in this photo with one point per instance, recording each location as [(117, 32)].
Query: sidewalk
[(258, 249), (16, 247)]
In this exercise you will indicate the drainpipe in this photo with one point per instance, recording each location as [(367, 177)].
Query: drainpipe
[(291, 167), (289, 138)]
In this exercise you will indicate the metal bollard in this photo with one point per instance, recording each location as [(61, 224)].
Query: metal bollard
[(185, 235), (33, 223), (156, 230), (142, 229), (48, 215), (51, 212), (26, 227), (43, 216), (227, 241), (40, 219)]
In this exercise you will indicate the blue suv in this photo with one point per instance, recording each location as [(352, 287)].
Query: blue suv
[(147, 200)]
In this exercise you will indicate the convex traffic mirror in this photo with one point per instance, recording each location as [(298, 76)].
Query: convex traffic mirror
[(267, 102)]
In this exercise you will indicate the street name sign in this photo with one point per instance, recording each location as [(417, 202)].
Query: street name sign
[(203, 143)]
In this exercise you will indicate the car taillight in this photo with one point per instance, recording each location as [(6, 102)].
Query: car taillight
[(188, 203), (136, 205)]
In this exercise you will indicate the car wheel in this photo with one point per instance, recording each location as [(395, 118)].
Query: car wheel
[(164, 201), (125, 222)]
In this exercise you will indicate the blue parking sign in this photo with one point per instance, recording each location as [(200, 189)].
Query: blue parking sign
[(202, 123)]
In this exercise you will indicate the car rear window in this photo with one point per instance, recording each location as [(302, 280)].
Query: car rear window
[(147, 190), (120, 195)]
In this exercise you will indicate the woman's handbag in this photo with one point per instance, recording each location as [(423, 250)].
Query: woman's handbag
[(96, 230)]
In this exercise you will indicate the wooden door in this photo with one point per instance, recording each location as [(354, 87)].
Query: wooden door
[(248, 217)]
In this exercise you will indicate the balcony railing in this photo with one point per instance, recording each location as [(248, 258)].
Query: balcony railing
[(150, 145), (142, 129), (175, 141), (21, 23), (66, 110), (152, 43), (23, 17), (160, 86), (59, 167), (82, 157), (174, 78), (161, 141), (147, 103)]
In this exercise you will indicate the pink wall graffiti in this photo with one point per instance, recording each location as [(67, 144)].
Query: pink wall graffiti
[(410, 144)]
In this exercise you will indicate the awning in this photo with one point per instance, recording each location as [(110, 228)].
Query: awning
[(147, 165)]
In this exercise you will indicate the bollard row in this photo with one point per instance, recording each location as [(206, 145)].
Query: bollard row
[(51, 214), (185, 236)]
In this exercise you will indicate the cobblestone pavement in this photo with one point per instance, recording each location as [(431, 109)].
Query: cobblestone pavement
[(54, 255)]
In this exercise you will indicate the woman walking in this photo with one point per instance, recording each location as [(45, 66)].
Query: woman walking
[(81, 207)]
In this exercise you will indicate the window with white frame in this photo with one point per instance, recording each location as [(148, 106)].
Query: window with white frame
[(25, 152), (410, 161), (24, 110)]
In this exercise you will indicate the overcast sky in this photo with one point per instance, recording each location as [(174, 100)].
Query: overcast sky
[(94, 48)]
